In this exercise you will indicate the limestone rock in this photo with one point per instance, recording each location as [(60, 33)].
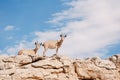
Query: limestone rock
[(34, 67), (116, 60), (51, 64), (27, 74), (103, 63), (96, 68)]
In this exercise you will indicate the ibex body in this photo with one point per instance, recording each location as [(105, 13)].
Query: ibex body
[(33, 51), (53, 44)]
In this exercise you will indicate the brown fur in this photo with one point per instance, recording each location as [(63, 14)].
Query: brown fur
[(33, 51), (53, 44)]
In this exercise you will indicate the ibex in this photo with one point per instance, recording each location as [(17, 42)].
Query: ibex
[(53, 44), (33, 51)]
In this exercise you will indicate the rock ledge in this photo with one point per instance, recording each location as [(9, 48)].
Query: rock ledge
[(34, 67)]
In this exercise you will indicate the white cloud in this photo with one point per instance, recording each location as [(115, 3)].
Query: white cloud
[(92, 26), (9, 27), (13, 50)]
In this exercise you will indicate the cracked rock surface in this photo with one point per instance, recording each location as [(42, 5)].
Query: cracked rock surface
[(34, 67)]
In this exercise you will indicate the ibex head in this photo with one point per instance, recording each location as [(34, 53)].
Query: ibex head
[(63, 36), (37, 45)]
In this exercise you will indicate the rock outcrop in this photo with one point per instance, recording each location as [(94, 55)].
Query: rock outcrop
[(34, 67)]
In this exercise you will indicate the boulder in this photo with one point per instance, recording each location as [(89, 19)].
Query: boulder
[(47, 64), (96, 68), (116, 60)]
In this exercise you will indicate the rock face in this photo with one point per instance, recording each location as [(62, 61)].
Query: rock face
[(34, 67)]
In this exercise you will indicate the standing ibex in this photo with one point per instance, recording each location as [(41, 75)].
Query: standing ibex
[(53, 44), (33, 51)]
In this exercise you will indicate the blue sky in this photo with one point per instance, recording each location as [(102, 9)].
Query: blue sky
[(26, 16), (92, 29)]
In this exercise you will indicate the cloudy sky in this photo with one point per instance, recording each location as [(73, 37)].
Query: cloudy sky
[(92, 26)]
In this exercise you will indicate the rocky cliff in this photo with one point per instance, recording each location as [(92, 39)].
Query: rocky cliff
[(34, 67)]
